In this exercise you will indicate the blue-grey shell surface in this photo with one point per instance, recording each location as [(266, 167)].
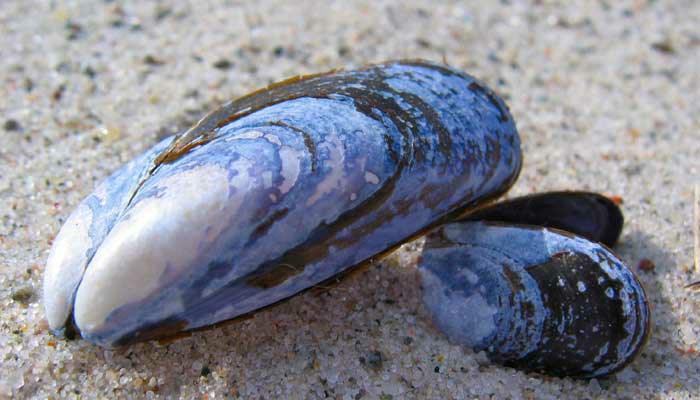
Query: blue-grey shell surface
[(534, 298), (274, 193)]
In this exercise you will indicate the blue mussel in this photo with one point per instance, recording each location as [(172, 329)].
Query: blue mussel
[(291, 185), (537, 297)]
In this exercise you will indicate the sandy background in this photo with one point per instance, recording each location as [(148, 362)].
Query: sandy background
[(606, 97)]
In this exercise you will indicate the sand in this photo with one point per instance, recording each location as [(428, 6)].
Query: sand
[(606, 96)]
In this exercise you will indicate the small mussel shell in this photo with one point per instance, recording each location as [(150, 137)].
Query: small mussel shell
[(587, 214), (534, 298), (274, 193)]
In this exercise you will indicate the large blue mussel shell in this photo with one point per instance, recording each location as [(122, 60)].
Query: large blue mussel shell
[(274, 193)]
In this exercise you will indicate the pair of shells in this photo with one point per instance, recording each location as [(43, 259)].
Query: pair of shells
[(296, 183)]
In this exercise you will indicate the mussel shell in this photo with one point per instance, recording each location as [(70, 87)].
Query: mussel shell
[(534, 298), (275, 193), (587, 214), (82, 234)]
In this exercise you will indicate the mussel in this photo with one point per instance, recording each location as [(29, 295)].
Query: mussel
[(274, 193), (291, 185), (537, 297)]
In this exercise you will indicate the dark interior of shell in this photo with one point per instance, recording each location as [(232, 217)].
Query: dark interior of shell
[(587, 214)]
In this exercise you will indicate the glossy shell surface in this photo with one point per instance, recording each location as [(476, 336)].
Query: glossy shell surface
[(534, 298), (274, 193), (586, 214)]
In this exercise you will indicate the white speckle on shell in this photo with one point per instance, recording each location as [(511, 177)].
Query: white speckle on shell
[(371, 178), (291, 160), (335, 178), (273, 139), (267, 179), (246, 135)]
